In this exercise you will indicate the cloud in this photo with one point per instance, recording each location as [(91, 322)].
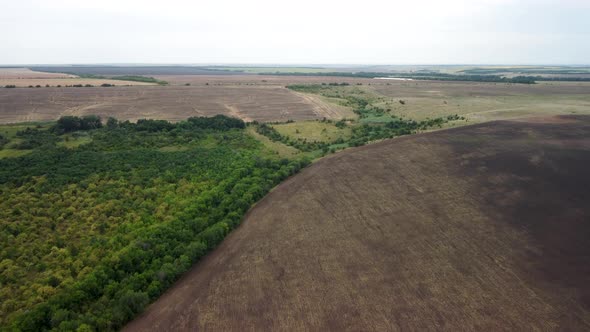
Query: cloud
[(306, 31)]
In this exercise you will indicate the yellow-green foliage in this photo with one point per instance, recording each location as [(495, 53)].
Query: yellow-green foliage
[(68, 232), (90, 235), (274, 149), (11, 153), (313, 131)]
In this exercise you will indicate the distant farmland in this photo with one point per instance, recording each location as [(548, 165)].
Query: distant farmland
[(482, 227), (157, 102), (486, 101), (263, 98), (26, 73)]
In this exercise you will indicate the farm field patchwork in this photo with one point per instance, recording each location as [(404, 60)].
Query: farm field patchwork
[(263, 98), (26, 73), (400, 187), (25, 77), (63, 82)]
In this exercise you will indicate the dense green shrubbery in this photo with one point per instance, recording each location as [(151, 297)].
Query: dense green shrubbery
[(34, 138), (298, 143), (70, 123), (388, 126), (91, 235), (3, 141)]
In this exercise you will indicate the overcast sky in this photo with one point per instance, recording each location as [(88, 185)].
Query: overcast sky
[(295, 32)]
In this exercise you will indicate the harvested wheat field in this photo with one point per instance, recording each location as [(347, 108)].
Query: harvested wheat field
[(25, 77), (163, 102), (480, 101), (26, 73), (482, 227), (63, 82)]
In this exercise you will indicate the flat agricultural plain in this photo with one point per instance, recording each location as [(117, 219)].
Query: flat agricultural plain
[(483, 227), (254, 79), (269, 103), (265, 98), (25, 77), (479, 101), (26, 73)]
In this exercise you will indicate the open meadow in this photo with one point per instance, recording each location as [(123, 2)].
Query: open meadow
[(485, 101)]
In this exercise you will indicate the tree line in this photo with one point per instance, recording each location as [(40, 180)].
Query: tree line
[(92, 234), (431, 76)]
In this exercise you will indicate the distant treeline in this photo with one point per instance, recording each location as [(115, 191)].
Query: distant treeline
[(132, 78), (533, 70), (103, 85), (130, 70), (67, 124), (562, 79), (430, 76), (135, 78)]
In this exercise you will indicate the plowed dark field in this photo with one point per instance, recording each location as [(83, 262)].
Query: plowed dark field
[(483, 227)]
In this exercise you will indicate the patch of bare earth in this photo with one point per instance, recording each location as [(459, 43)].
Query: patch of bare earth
[(481, 228), (26, 73), (174, 103)]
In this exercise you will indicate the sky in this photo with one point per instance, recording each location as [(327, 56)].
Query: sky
[(295, 32)]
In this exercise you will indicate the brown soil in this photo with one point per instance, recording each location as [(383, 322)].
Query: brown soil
[(63, 82), (483, 228), (270, 103), (26, 73), (477, 89)]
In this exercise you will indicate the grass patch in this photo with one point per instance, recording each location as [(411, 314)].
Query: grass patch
[(13, 153), (9, 130), (274, 149), (313, 131)]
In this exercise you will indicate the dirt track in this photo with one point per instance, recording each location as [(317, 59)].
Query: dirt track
[(475, 228)]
